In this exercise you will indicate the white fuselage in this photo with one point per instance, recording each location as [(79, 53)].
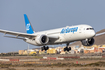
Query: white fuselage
[(66, 34)]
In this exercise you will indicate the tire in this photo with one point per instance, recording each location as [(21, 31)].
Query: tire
[(64, 49), (47, 47), (69, 48)]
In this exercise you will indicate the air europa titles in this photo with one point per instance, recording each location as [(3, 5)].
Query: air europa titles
[(68, 30)]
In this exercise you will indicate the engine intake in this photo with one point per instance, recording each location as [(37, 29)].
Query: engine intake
[(42, 40), (88, 42)]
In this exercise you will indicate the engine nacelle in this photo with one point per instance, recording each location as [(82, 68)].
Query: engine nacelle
[(42, 40), (88, 42)]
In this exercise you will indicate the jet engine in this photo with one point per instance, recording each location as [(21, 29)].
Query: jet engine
[(88, 42), (42, 40)]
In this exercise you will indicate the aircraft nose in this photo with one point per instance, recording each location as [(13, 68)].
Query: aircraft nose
[(93, 33)]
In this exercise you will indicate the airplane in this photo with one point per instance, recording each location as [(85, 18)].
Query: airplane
[(65, 35)]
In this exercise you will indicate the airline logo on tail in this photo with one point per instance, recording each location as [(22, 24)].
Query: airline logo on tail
[(29, 28)]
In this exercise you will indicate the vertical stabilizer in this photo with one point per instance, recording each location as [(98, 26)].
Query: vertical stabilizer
[(28, 25)]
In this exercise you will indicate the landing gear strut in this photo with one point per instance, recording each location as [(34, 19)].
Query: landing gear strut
[(44, 48), (67, 48)]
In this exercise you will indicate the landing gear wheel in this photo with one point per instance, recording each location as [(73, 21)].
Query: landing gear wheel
[(47, 47), (44, 48), (67, 49), (64, 49)]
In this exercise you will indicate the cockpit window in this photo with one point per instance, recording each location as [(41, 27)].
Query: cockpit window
[(90, 29)]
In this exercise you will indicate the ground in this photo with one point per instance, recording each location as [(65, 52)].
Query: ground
[(38, 63)]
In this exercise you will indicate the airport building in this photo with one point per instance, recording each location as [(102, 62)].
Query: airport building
[(59, 50)]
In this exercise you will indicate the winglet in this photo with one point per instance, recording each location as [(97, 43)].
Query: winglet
[(29, 28)]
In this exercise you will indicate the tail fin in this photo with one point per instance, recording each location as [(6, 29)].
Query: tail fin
[(29, 28)]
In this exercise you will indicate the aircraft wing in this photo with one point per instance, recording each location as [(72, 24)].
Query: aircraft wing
[(17, 33), (100, 34), (53, 37)]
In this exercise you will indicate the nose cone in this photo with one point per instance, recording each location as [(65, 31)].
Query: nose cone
[(93, 33)]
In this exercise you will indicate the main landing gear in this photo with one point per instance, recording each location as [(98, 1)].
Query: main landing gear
[(67, 48), (44, 48)]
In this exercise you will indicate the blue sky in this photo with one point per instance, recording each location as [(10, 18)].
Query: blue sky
[(45, 15)]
